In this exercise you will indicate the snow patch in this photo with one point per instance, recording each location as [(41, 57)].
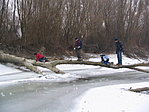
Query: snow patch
[(113, 99)]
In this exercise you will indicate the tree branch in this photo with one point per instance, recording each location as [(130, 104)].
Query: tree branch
[(139, 89), (52, 65), (31, 64), (6, 58)]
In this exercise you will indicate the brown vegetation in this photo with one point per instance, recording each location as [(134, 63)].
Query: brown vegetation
[(28, 25)]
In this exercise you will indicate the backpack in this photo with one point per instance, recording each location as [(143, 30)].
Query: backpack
[(80, 43)]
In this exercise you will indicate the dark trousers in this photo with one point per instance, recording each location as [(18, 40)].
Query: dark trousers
[(43, 59), (78, 53), (119, 57), (106, 62)]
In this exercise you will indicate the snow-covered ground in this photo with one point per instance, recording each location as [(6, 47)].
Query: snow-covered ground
[(114, 98)]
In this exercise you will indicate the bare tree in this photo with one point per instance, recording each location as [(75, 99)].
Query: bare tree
[(54, 24)]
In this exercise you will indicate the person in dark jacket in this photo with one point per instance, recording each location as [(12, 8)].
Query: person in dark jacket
[(40, 57), (119, 50), (77, 48), (104, 59)]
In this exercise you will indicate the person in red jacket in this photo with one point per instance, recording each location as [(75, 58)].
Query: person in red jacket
[(40, 57)]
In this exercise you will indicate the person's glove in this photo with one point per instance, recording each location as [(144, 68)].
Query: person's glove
[(78, 47), (74, 48)]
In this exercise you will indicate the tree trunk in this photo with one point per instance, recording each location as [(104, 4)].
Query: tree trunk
[(6, 58), (139, 89), (52, 65), (32, 65)]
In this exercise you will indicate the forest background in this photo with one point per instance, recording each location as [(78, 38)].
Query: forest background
[(26, 26)]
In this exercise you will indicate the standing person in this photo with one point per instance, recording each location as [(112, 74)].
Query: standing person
[(104, 59), (40, 57), (119, 50), (77, 48)]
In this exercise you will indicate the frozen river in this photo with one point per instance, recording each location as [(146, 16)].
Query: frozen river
[(56, 96)]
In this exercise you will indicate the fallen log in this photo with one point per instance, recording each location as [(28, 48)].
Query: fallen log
[(32, 65), (141, 70), (139, 89), (52, 65), (7, 58)]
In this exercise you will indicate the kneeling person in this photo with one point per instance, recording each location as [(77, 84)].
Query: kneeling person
[(40, 57), (104, 59)]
